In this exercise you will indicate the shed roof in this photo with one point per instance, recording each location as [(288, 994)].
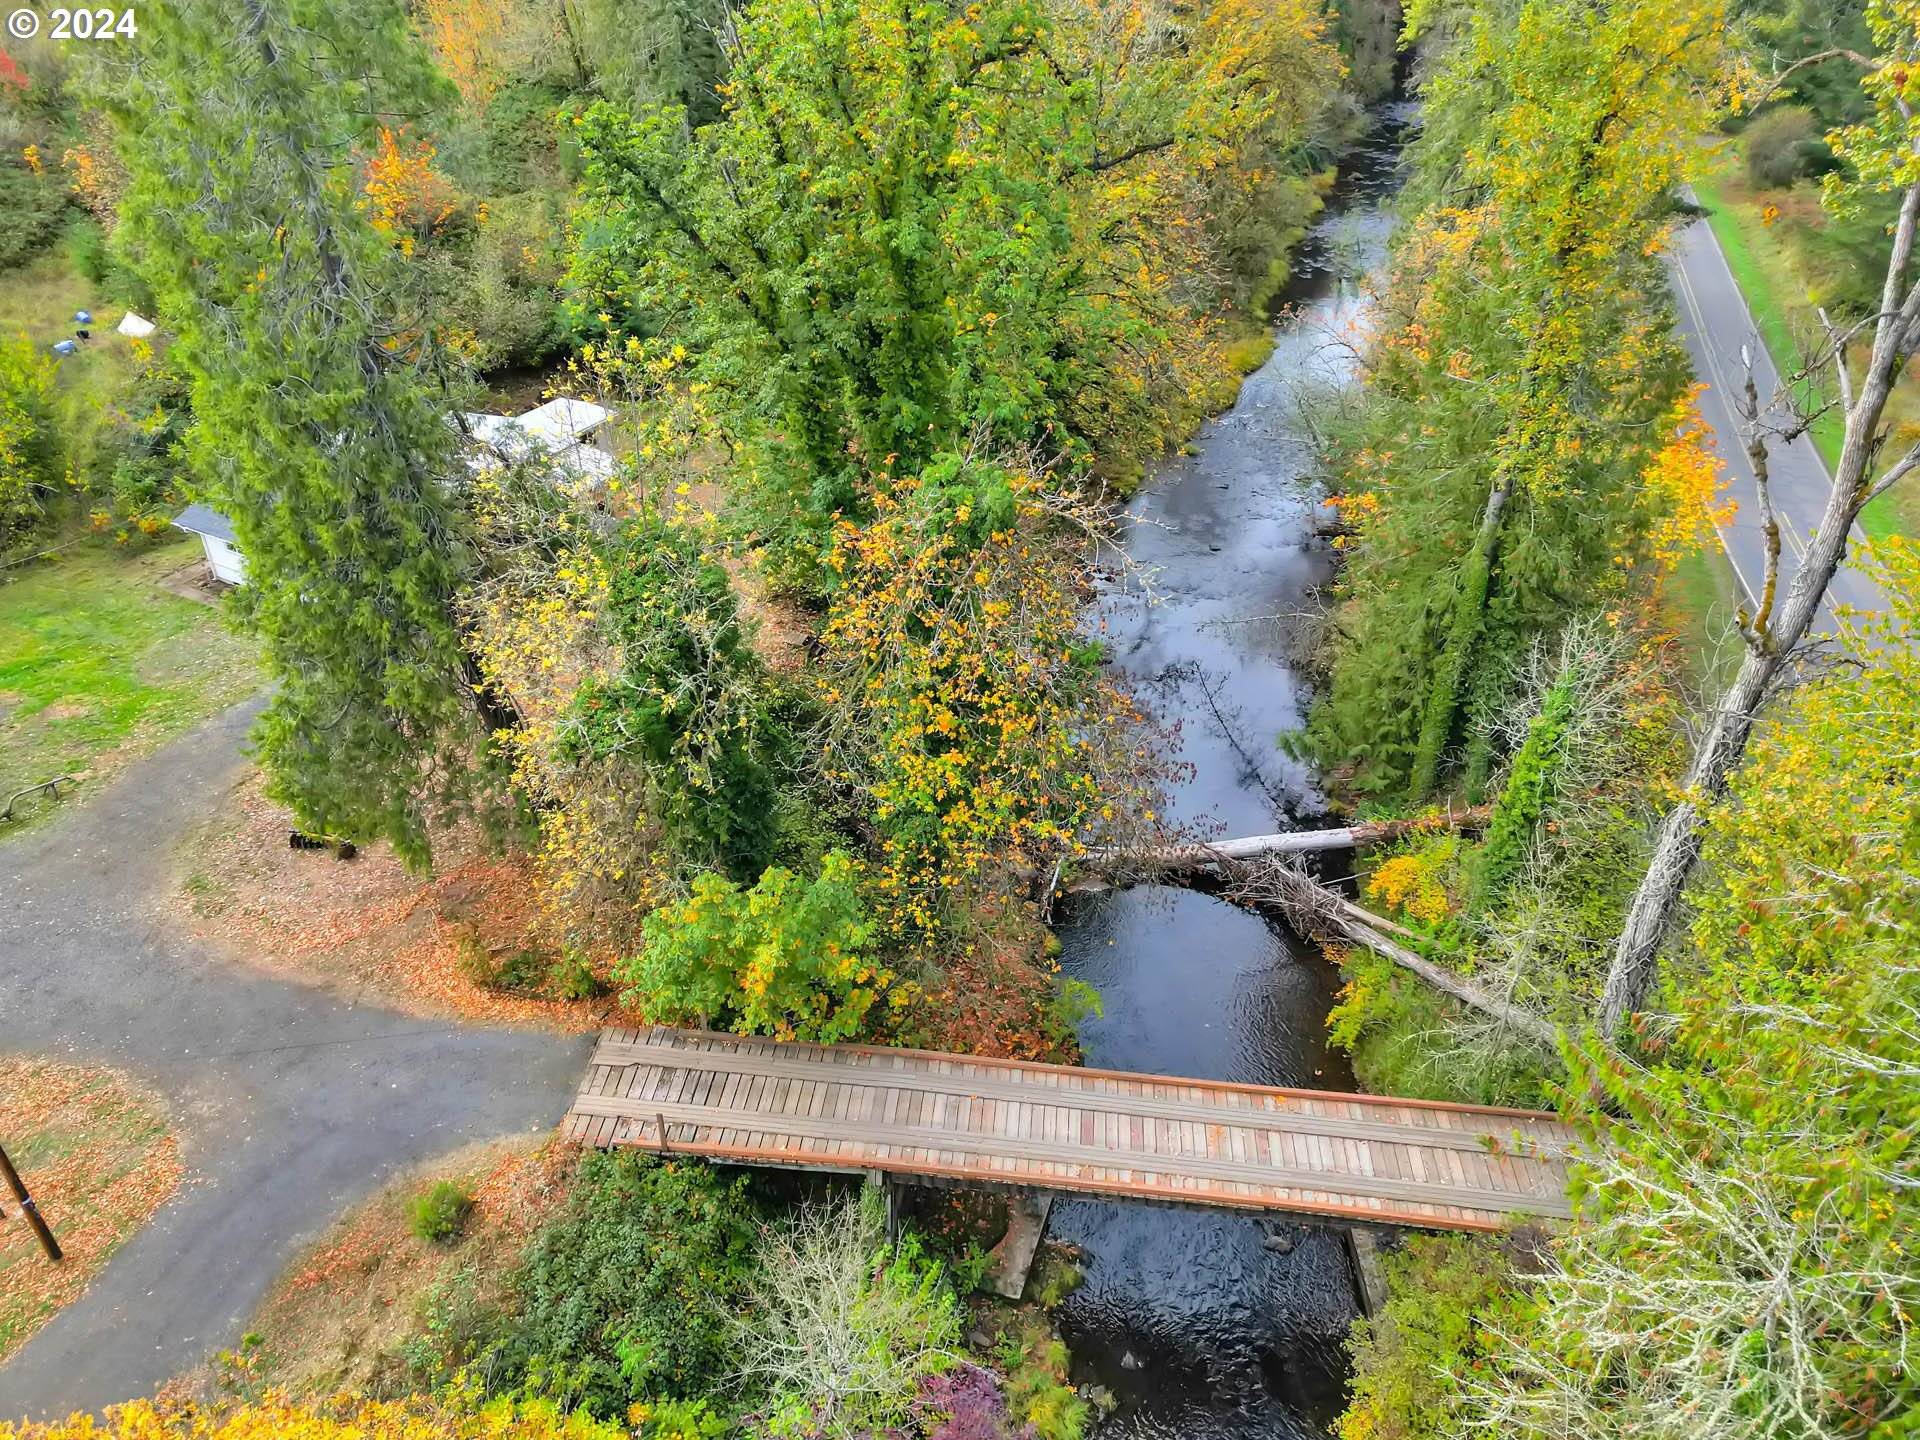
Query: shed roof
[(562, 420), (205, 520)]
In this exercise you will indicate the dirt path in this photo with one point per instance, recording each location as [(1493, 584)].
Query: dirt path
[(291, 1103)]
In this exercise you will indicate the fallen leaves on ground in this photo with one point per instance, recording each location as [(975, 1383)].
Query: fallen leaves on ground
[(340, 1313), (94, 1150), (368, 925)]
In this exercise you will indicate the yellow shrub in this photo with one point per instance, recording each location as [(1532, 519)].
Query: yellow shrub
[(343, 1418), (1415, 882)]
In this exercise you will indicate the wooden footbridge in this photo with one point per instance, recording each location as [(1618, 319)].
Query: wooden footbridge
[(914, 1113)]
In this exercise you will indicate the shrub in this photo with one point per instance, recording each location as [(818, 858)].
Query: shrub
[(844, 1328), (571, 977), (29, 450), (439, 1214), (965, 1403), (1406, 1039), (1038, 1391), (453, 1416), (784, 958), (677, 1420), (87, 247), (455, 1322), (1410, 1360), (623, 1297), (1074, 1002), (520, 971), (31, 208), (1782, 146)]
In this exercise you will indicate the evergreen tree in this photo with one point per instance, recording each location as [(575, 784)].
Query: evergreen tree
[(320, 414), (645, 51)]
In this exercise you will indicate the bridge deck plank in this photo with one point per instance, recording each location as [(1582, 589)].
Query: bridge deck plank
[(1058, 1127)]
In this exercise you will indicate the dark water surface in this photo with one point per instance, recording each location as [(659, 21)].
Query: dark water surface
[(1200, 1326)]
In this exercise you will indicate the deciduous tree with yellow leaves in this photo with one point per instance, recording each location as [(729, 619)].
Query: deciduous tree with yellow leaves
[(1523, 437)]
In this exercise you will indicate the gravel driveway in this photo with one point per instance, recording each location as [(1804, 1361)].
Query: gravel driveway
[(291, 1103)]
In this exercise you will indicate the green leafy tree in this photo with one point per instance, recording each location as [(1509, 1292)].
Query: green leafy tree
[(319, 406), (1745, 1208), (917, 228), (1519, 386), (684, 709), (29, 449), (786, 957)]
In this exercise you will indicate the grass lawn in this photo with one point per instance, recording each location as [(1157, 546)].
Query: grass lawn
[(95, 1151), (40, 298), (1763, 266), (99, 665)]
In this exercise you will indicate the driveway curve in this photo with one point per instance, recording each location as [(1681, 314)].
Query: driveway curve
[(291, 1102)]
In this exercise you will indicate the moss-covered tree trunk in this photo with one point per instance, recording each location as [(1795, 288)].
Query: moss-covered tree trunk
[(1456, 654)]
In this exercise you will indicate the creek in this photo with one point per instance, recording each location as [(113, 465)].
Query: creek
[(1209, 1325)]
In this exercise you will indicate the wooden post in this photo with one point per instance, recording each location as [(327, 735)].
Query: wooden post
[(890, 1197), (1370, 1276), (28, 1208)]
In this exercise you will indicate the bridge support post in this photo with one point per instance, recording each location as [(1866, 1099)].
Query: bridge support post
[(890, 1198), (1370, 1276)]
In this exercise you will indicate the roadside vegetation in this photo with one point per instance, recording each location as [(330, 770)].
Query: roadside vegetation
[(688, 1300), (1692, 871), (96, 1151), (1793, 255)]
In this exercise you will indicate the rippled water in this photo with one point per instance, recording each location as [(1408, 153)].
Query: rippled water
[(1206, 1324)]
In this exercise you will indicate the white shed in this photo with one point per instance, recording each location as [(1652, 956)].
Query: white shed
[(216, 538), (562, 421)]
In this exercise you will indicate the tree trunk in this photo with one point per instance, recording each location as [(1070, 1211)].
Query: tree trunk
[(1677, 846), (1463, 634), (1290, 842), (1656, 903)]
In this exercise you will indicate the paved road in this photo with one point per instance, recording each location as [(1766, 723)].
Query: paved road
[(291, 1102), (1715, 324)]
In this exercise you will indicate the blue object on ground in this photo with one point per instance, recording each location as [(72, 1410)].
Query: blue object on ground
[(64, 347)]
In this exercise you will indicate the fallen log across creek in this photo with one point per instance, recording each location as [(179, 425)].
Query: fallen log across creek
[(1195, 855), (1321, 910), (1260, 870)]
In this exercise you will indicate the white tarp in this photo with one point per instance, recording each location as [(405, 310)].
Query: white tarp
[(135, 326)]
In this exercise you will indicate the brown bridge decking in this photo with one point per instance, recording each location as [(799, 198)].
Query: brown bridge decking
[(1057, 1127)]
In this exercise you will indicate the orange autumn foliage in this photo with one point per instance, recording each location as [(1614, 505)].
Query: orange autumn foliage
[(1683, 486), (408, 198)]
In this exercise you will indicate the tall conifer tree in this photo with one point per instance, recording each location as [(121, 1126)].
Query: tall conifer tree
[(319, 401)]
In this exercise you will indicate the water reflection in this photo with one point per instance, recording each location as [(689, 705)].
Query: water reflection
[(1206, 1324)]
